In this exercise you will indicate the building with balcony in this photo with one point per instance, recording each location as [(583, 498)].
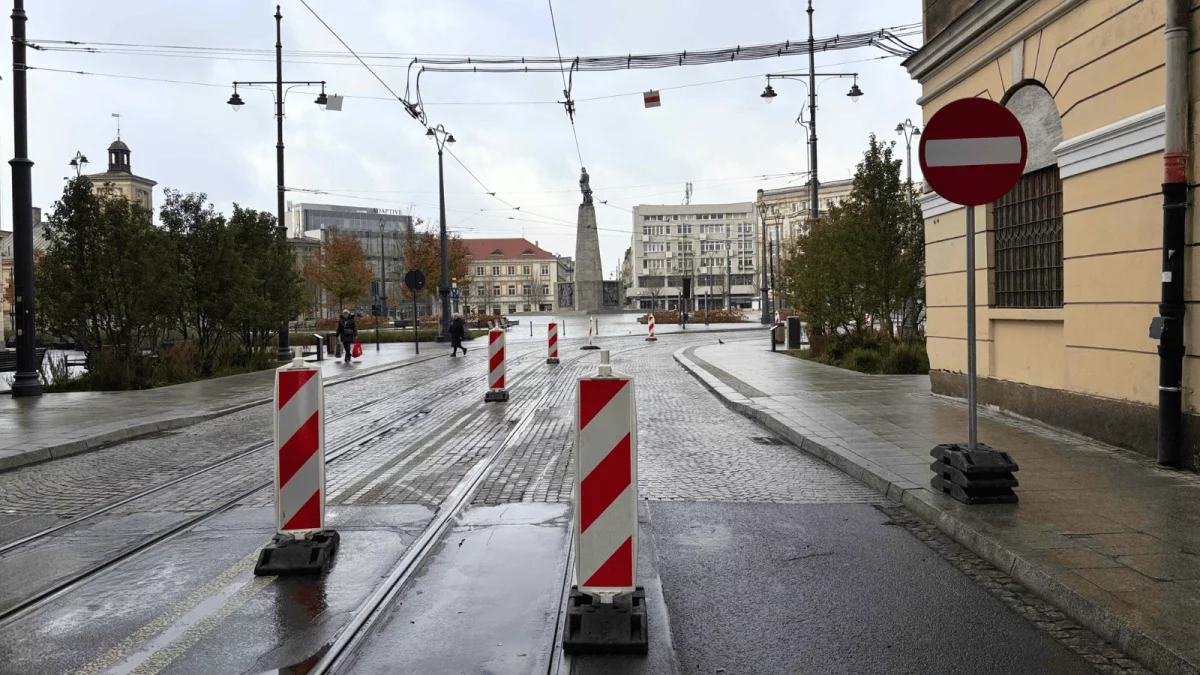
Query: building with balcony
[(707, 249)]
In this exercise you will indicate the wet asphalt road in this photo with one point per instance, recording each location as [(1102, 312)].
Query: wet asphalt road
[(755, 557)]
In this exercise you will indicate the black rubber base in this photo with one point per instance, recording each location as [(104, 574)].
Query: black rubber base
[(980, 476), (553, 362), (495, 396), (618, 628), (589, 347), (288, 555), (651, 339)]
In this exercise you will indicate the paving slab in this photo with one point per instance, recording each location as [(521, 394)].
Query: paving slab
[(1100, 532), (58, 425)]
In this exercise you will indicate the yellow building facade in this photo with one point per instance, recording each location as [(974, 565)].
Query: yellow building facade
[(1070, 260)]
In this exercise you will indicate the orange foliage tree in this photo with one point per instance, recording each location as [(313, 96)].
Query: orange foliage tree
[(422, 251), (340, 267)]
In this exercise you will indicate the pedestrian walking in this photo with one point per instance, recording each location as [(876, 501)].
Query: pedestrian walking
[(347, 331), (458, 331)]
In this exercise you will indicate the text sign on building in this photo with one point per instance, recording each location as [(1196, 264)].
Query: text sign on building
[(973, 151)]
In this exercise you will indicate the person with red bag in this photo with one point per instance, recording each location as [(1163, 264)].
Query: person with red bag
[(347, 332)]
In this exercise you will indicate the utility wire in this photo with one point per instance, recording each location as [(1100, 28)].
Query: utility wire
[(408, 106), (570, 105)]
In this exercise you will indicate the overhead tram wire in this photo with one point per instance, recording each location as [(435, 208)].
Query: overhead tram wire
[(568, 103)]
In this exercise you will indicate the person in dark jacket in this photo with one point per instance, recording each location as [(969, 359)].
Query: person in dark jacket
[(458, 331), (347, 331)]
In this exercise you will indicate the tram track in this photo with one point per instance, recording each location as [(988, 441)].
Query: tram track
[(343, 450), (342, 651)]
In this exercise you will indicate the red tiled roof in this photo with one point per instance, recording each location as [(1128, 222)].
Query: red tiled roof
[(504, 249)]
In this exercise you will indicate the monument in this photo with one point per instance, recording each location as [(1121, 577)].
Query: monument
[(589, 279)]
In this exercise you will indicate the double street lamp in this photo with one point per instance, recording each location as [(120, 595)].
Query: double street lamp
[(909, 131), (443, 138), (855, 93), (285, 351)]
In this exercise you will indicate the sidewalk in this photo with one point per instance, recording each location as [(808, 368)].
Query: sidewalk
[(57, 425), (1102, 533)]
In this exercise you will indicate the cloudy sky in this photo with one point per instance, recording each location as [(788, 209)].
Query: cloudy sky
[(712, 129)]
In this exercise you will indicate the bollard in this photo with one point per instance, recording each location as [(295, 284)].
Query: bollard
[(651, 338), (320, 346), (552, 342), (301, 544), (606, 611), (589, 344), (496, 392)]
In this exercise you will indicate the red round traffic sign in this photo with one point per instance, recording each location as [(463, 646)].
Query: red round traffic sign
[(973, 151)]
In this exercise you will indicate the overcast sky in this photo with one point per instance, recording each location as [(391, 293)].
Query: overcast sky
[(511, 134)]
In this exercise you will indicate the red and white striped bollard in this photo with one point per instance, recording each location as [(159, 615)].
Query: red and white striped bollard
[(589, 344), (552, 342), (606, 594), (299, 425), (496, 392), (651, 338)]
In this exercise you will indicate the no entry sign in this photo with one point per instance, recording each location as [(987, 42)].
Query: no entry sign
[(973, 151)]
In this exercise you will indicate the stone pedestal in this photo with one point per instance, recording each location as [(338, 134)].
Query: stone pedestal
[(589, 276)]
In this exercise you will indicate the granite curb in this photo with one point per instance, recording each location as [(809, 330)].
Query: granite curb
[(45, 453), (1151, 652)]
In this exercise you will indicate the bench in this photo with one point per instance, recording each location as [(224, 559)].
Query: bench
[(8, 359)]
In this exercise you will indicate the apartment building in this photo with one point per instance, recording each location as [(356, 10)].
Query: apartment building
[(787, 211), (709, 249), (511, 276)]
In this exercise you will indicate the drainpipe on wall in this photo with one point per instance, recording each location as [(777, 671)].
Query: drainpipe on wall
[(1168, 328)]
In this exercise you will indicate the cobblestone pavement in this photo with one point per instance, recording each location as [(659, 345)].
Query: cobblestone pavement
[(409, 437)]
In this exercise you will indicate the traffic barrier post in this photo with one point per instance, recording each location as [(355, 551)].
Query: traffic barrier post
[(591, 328), (496, 392), (552, 342), (301, 544), (651, 338), (607, 609)]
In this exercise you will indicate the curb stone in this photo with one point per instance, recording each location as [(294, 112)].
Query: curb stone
[(97, 441), (1157, 656)]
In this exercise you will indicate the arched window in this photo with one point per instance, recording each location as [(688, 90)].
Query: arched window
[(1028, 221)]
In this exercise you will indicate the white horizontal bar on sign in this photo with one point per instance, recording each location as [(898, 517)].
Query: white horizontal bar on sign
[(973, 151)]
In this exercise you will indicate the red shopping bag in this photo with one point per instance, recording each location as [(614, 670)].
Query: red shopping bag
[(356, 351)]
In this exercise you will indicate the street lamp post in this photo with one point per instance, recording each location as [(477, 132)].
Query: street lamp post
[(443, 138), (78, 162), (382, 287), (26, 381), (285, 351), (909, 131), (854, 94)]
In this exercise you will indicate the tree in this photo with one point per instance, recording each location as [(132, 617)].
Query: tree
[(269, 290), (865, 257), (422, 251), (205, 271), (103, 276), (533, 294), (340, 267)]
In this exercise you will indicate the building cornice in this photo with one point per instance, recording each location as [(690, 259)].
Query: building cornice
[(1135, 136), (933, 205), (957, 38), (970, 28)]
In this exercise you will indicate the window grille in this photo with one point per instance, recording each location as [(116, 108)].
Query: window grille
[(1029, 242)]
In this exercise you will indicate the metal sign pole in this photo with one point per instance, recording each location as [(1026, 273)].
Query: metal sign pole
[(972, 423)]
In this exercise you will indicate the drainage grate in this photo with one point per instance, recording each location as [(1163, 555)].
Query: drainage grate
[(767, 440)]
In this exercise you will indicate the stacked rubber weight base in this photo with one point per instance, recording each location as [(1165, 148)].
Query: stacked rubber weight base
[(980, 476), (615, 628)]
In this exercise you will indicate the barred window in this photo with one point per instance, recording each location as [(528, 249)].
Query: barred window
[(1029, 242)]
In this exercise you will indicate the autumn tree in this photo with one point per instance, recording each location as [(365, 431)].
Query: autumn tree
[(422, 251), (340, 267)]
